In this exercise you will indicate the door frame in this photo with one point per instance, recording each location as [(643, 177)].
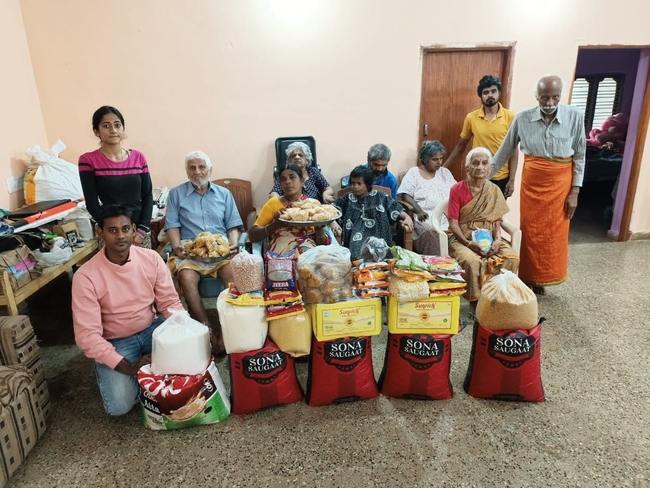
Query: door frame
[(506, 85), (624, 233)]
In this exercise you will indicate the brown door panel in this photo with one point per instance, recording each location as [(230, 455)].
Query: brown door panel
[(449, 81)]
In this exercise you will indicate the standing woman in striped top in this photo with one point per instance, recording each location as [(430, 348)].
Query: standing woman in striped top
[(113, 174)]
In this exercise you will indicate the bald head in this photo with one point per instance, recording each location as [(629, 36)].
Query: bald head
[(549, 92)]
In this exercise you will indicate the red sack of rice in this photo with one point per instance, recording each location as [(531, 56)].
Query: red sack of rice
[(416, 366), (505, 365), (262, 378), (340, 371)]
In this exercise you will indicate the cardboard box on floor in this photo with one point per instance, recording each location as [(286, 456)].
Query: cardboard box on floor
[(352, 318), (438, 315), (68, 230)]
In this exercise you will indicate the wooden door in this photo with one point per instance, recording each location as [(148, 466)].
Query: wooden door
[(449, 81)]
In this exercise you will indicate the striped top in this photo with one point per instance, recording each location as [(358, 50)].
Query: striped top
[(564, 137), (127, 182)]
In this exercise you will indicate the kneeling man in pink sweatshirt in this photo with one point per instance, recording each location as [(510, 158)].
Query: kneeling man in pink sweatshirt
[(113, 298)]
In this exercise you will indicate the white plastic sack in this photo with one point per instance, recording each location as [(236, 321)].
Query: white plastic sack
[(244, 328), (50, 178), (82, 218), (180, 345), (60, 253)]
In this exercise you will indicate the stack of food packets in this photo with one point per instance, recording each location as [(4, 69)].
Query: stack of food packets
[(371, 279), (281, 295), (340, 366), (447, 276), (420, 325)]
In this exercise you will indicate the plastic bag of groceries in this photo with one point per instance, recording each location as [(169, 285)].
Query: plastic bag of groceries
[(507, 303), (244, 328), (325, 274), (292, 334), (180, 345)]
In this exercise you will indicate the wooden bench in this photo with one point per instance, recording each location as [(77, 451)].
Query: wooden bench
[(12, 298)]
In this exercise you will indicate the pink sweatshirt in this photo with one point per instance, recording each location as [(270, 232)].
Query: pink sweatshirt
[(112, 302)]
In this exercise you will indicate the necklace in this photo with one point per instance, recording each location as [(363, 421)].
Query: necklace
[(122, 156)]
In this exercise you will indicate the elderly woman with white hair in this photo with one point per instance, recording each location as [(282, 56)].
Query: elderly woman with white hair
[(477, 203), (424, 187), (315, 184)]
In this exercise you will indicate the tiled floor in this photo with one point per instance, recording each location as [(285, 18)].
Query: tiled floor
[(593, 430)]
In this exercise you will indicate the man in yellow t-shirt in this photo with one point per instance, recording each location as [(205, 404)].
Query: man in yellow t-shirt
[(488, 127)]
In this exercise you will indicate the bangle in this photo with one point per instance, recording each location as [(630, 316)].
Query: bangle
[(468, 243)]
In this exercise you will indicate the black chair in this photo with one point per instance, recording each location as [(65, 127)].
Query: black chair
[(281, 144)]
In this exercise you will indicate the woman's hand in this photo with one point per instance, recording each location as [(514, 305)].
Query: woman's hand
[(328, 195), (336, 228), (475, 247), (496, 245), (420, 214), (137, 240)]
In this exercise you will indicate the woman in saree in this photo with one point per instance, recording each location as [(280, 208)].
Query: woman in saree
[(477, 203), (284, 236)]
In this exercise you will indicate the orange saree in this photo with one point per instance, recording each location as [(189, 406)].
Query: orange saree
[(545, 184)]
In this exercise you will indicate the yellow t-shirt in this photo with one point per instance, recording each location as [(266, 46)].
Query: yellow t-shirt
[(488, 133)]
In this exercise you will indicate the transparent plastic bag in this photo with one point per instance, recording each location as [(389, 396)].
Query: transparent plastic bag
[(374, 250), (248, 272), (325, 274), (507, 303)]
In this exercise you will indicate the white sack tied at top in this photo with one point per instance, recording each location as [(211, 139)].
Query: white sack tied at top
[(180, 345), (50, 177)]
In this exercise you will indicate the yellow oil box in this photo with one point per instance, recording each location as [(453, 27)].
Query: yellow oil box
[(437, 315), (353, 318)]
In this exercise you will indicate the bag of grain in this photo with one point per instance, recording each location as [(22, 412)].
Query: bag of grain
[(180, 345), (292, 334), (248, 272), (244, 328), (506, 303)]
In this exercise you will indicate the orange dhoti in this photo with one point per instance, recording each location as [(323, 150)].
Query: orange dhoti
[(545, 185)]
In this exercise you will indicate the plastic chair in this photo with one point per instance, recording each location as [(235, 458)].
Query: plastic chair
[(401, 236), (281, 144), (436, 219)]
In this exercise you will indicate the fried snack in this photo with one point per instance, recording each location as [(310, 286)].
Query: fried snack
[(208, 245), (309, 210)]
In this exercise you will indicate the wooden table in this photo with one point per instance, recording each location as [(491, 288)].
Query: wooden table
[(12, 298)]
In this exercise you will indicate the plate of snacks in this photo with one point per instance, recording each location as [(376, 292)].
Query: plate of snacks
[(208, 248), (309, 213)]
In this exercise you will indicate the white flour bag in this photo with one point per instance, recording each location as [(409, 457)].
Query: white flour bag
[(180, 345)]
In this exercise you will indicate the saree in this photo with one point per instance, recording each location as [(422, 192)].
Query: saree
[(545, 184), (285, 239), (481, 212)]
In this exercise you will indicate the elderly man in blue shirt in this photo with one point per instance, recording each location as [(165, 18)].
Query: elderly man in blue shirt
[(378, 159), (196, 206)]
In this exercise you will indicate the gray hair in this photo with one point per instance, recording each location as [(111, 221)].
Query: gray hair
[(379, 152), (198, 155), (474, 152), (429, 148), (303, 147)]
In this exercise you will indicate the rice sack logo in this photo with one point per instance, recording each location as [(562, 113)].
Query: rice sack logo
[(264, 367), (511, 349), (345, 354), (421, 351)]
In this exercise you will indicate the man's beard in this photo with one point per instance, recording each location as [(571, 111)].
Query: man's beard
[(490, 102), (378, 174), (549, 110)]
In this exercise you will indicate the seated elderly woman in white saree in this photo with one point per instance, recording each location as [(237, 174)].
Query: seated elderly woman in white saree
[(424, 187)]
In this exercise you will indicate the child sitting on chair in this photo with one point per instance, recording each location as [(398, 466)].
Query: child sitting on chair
[(366, 213)]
